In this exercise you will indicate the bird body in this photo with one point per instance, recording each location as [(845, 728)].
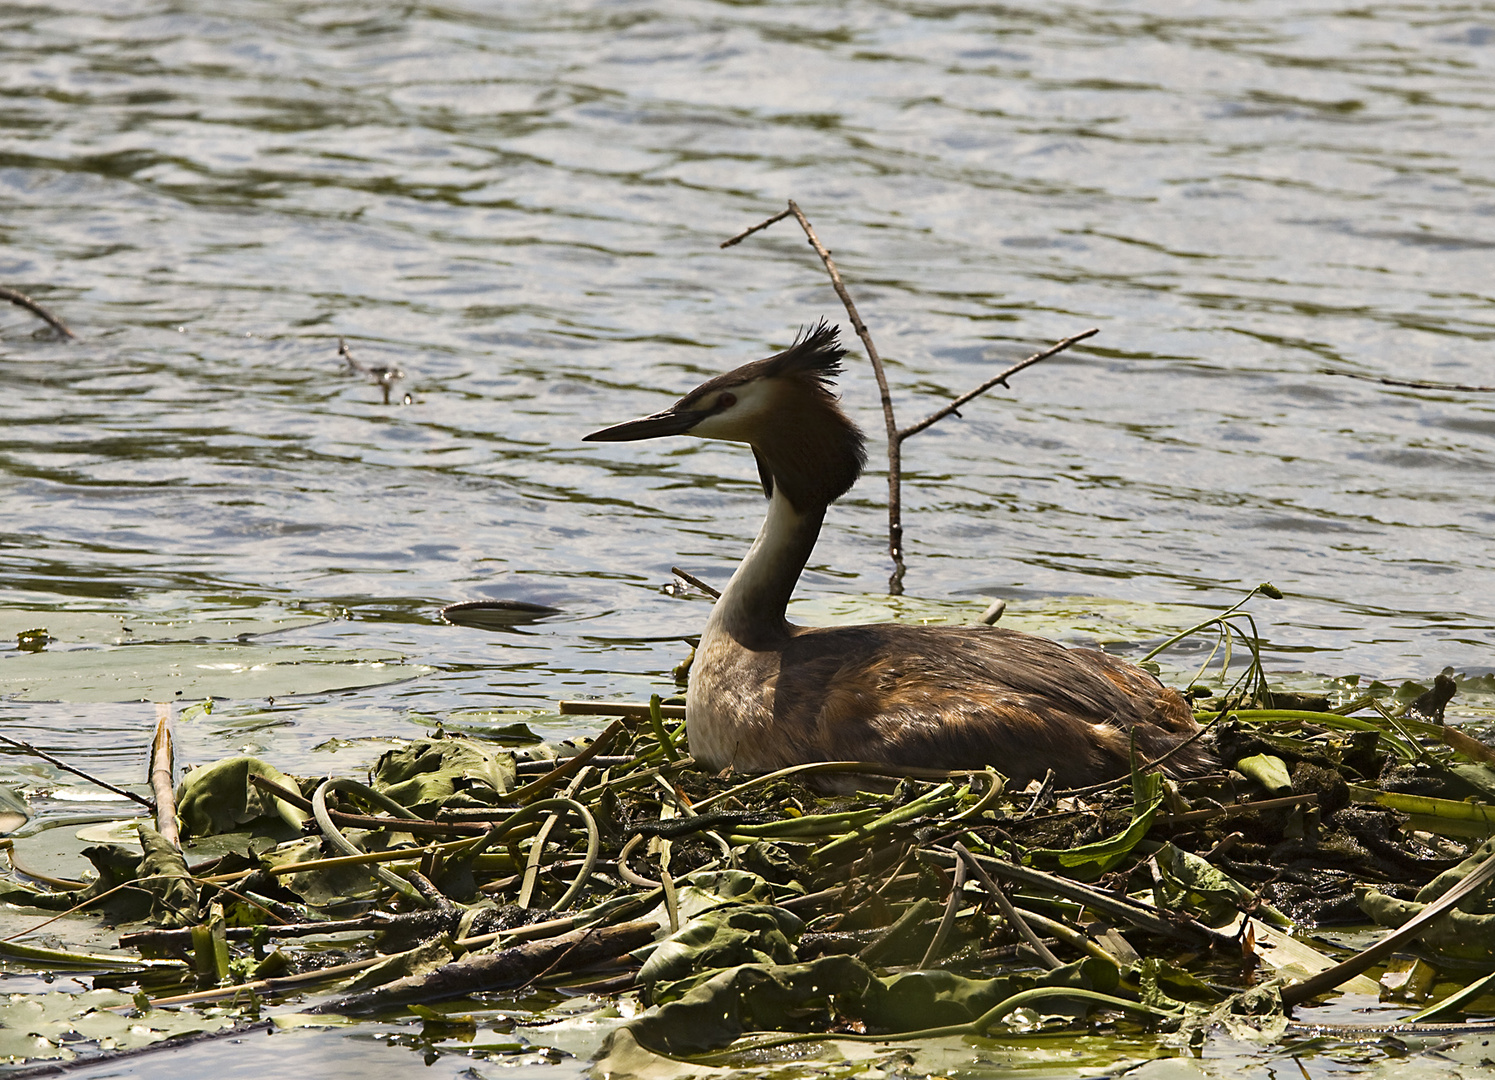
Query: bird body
[(765, 694)]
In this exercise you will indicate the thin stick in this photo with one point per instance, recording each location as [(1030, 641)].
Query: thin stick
[(890, 422), (534, 788), (20, 299), (740, 237), (1010, 913), (166, 823), (65, 767), (280, 982), (895, 450), (123, 886), (1287, 802), (947, 921), (695, 582), (996, 380), (633, 710), (1416, 384)]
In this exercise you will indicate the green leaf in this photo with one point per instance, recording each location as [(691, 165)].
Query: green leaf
[(428, 774), (1089, 861), (723, 937), (1268, 770), (1191, 883), (191, 671), (219, 798)]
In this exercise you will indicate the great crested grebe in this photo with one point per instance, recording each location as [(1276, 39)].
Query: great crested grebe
[(765, 694)]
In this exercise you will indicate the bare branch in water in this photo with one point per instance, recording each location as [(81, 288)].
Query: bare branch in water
[(765, 223), (160, 776), (996, 380), (695, 582), (1415, 384), (894, 433), (20, 299), (65, 767), (382, 376)]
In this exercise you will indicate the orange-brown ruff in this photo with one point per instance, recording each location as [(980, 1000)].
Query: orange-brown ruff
[(765, 694)]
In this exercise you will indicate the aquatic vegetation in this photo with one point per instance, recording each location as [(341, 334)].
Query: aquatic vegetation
[(744, 915)]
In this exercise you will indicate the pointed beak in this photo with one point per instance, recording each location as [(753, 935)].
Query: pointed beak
[(669, 422)]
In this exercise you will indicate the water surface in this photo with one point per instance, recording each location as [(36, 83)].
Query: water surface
[(520, 206)]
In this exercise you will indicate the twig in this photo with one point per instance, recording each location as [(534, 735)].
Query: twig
[(166, 823), (20, 299), (947, 921), (279, 982), (65, 767), (1146, 766), (895, 435), (740, 237), (633, 710), (695, 582), (181, 937), (895, 447), (535, 787), (1416, 384), (1143, 916), (1287, 802), (997, 380), (1010, 913), (1045, 788), (512, 967)]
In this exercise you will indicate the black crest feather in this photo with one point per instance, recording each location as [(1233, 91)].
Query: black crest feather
[(816, 352)]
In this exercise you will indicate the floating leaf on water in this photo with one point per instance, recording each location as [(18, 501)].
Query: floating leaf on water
[(41, 1026), (13, 811), (220, 797), (496, 615), (123, 628), (191, 672)]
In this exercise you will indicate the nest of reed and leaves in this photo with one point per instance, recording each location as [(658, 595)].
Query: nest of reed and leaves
[(746, 912)]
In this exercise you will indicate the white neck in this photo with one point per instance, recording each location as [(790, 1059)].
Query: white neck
[(751, 608)]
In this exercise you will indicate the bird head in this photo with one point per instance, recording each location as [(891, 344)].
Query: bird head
[(784, 408)]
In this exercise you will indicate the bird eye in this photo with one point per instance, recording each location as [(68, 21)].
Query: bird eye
[(726, 401)]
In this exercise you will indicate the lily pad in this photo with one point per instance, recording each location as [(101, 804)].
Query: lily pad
[(50, 1025), (123, 628), (1095, 618), (192, 672)]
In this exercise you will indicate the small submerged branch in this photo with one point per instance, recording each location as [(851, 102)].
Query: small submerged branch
[(65, 767), (697, 583), (895, 434), (1415, 384), (20, 299), (384, 376)]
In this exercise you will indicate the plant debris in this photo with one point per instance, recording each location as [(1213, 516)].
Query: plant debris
[(746, 913)]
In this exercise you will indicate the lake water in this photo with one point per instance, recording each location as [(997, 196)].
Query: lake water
[(520, 205)]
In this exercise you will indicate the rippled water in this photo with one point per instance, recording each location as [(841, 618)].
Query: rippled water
[(520, 206)]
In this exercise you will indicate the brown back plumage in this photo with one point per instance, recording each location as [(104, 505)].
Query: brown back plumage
[(960, 697)]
